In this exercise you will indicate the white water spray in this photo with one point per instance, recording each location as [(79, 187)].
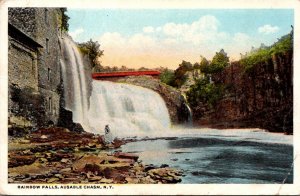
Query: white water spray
[(75, 88), (128, 110)]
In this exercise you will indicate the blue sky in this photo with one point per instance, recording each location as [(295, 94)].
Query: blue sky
[(161, 37)]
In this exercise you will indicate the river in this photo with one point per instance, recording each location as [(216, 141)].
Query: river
[(247, 156), (204, 155)]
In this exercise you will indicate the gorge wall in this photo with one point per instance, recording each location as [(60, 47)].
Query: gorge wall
[(261, 97)]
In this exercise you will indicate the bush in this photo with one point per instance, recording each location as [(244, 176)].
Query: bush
[(264, 54), (260, 56), (204, 66), (180, 72), (219, 62), (205, 92), (65, 20), (167, 76)]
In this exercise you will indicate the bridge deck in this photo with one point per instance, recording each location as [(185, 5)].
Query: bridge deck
[(103, 75)]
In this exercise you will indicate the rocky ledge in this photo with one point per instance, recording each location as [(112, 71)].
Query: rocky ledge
[(56, 155)]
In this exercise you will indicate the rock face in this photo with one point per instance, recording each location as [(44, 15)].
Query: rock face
[(175, 102), (261, 98), (191, 77)]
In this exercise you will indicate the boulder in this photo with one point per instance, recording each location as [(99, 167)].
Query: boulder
[(165, 175), (123, 155)]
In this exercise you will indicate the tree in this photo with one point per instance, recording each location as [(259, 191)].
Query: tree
[(196, 65), (179, 73), (186, 65), (64, 20), (205, 92), (204, 65), (92, 49), (219, 62), (167, 76)]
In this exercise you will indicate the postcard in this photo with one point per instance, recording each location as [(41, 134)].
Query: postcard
[(152, 97)]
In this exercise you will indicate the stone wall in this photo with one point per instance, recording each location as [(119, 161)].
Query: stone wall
[(22, 65), (48, 60), (24, 20), (34, 73)]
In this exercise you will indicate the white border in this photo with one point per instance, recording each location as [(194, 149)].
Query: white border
[(206, 189)]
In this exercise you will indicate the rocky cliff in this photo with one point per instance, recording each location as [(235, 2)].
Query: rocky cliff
[(175, 102), (259, 97)]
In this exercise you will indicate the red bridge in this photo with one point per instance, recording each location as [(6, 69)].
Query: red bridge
[(113, 76)]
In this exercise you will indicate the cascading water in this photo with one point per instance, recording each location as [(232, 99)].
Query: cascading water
[(128, 110), (75, 88), (190, 115)]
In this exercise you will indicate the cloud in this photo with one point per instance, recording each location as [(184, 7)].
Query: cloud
[(77, 32), (112, 40), (202, 30), (268, 29), (170, 43), (148, 29)]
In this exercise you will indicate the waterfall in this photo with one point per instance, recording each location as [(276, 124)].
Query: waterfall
[(74, 81), (128, 110), (190, 115)]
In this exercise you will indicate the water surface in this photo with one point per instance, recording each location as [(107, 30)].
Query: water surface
[(222, 157)]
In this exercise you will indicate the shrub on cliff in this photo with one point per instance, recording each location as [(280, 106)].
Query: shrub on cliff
[(205, 92), (264, 54), (283, 45), (219, 62), (167, 76), (65, 19), (204, 66), (180, 76)]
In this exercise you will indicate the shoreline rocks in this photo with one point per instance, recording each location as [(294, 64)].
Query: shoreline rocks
[(68, 157)]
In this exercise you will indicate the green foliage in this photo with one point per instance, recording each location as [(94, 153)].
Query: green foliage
[(260, 56), (64, 20), (167, 76), (196, 66), (284, 44), (179, 73), (186, 65), (205, 92), (219, 62), (204, 66), (264, 54), (92, 49)]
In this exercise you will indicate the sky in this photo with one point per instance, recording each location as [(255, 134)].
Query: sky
[(164, 37)]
